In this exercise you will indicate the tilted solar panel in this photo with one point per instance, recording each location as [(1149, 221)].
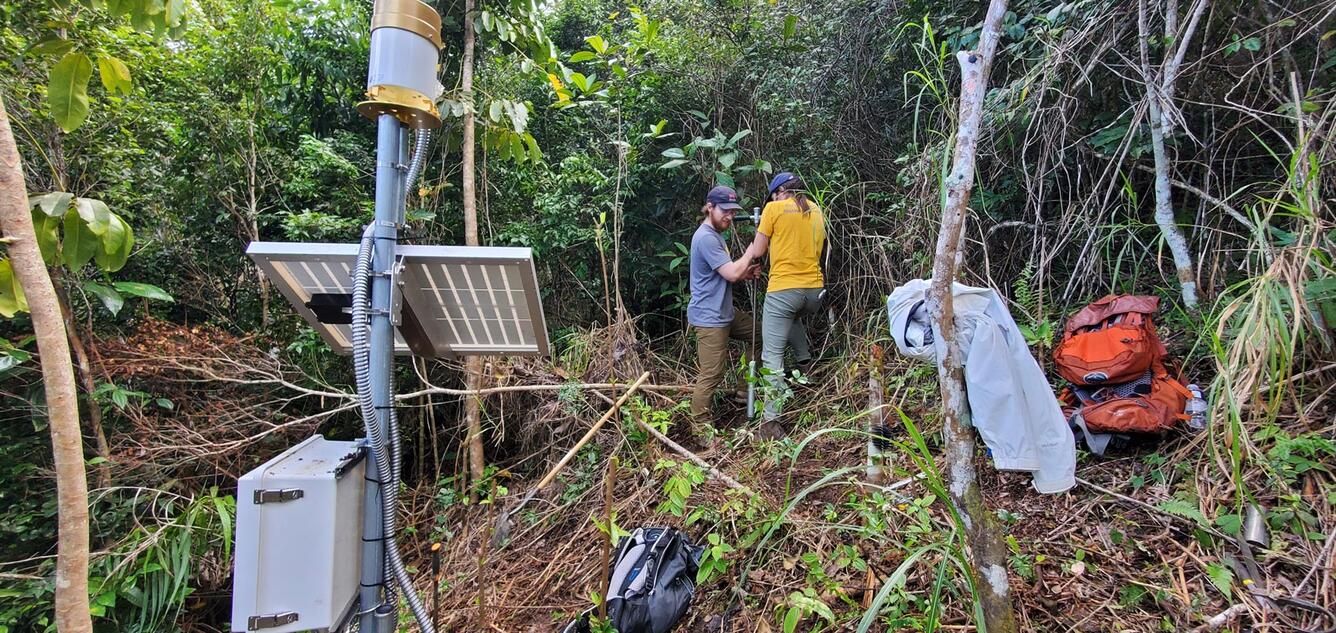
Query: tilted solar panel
[(456, 300)]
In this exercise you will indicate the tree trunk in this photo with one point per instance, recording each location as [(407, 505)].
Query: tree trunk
[(71, 602), (252, 223), (987, 552), (472, 364), (89, 384), (1159, 93)]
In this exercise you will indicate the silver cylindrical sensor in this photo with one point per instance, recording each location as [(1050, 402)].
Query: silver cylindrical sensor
[(405, 59)]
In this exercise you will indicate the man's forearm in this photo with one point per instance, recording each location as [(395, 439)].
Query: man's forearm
[(733, 271)]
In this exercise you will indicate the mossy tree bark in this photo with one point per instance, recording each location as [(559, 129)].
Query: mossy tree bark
[(986, 550), (71, 600)]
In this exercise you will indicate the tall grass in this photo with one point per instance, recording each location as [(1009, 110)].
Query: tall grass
[(1270, 328), (143, 584)]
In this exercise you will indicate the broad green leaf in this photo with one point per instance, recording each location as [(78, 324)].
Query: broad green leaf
[(114, 260), (791, 619), (580, 81), (596, 42), (141, 17), (720, 178), (113, 237), (115, 74), (1229, 523), (673, 152), (582, 56), (47, 229), (673, 163), (147, 291), (53, 204), (79, 243), (517, 148), (120, 7), (790, 26), (175, 10), (67, 90), (94, 213), (494, 111), (728, 159), (12, 300), (111, 299), (738, 137), (51, 47), (535, 153)]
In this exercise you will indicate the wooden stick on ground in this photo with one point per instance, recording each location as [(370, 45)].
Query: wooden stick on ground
[(524, 388), (695, 459), (607, 542), (552, 474)]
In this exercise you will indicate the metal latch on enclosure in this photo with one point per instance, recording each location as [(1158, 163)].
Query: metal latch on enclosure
[(277, 496), (257, 622)]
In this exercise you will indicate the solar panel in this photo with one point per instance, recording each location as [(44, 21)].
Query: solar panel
[(454, 300)]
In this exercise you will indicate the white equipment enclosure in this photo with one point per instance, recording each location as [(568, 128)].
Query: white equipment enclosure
[(298, 538)]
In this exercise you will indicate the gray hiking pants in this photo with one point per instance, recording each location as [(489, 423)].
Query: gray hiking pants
[(781, 325)]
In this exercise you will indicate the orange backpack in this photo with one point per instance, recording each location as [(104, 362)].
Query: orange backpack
[(1116, 364)]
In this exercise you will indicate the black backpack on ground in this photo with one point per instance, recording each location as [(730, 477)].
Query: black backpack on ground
[(653, 576)]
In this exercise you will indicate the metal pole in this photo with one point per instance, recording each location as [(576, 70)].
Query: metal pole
[(388, 201)]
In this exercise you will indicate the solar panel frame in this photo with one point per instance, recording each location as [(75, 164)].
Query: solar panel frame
[(456, 300), (465, 315)]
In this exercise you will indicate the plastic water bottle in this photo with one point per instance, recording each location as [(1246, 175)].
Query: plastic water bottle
[(1196, 409)]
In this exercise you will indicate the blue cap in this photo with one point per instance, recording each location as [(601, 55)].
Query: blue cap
[(781, 179), (723, 197)]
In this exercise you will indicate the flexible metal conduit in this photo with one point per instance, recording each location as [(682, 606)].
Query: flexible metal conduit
[(385, 450), (421, 141)]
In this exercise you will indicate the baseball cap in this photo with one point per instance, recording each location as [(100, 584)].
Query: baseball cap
[(724, 197), (780, 179)]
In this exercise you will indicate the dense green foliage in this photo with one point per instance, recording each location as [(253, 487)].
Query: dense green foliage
[(204, 125)]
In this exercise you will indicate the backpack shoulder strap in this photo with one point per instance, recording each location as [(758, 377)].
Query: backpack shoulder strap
[(1096, 442)]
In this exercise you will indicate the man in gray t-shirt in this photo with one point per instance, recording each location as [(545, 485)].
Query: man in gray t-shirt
[(711, 310)]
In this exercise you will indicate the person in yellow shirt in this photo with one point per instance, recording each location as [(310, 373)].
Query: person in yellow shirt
[(793, 230)]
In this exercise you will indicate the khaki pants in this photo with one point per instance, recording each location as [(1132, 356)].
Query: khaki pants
[(712, 354)]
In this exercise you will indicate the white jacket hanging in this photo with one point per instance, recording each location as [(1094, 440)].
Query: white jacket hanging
[(1011, 402)]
